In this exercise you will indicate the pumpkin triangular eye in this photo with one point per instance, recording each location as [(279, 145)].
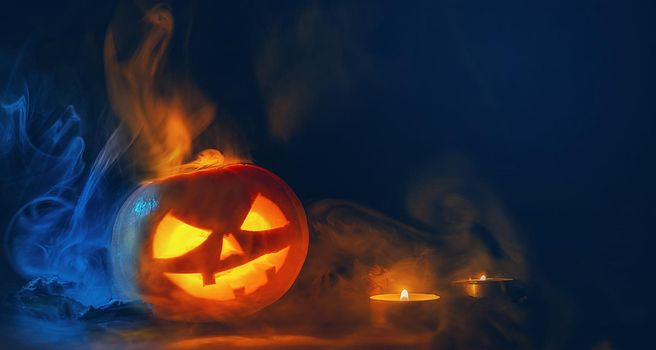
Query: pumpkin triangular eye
[(264, 215), (174, 237)]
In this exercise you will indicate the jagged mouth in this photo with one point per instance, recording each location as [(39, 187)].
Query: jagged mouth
[(235, 282)]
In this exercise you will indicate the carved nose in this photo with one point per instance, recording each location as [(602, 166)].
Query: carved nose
[(230, 247)]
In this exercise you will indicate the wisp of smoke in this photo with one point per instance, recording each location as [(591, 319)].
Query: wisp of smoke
[(65, 210), (62, 228), (163, 114)]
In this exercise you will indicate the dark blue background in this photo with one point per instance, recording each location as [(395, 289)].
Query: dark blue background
[(552, 103)]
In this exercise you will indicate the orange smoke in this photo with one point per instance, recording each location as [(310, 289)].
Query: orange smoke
[(163, 115)]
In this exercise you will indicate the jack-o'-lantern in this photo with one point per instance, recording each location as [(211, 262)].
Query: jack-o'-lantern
[(212, 244)]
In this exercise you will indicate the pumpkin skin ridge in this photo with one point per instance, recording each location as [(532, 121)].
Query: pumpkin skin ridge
[(166, 296), (200, 170)]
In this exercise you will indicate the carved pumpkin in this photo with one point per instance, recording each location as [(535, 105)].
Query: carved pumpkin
[(211, 244)]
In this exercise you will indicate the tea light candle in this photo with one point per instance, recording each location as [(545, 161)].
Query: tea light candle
[(410, 311), (484, 286)]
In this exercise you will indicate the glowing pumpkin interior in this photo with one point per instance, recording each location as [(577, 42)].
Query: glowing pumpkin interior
[(173, 237), (217, 243)]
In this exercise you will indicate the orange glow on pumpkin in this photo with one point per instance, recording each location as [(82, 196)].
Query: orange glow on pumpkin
[(174, 237), (264, 215), (218, 243), (230, 247), (241, 280)]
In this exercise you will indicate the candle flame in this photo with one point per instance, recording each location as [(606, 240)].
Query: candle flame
[(483, 277), (404, 295)]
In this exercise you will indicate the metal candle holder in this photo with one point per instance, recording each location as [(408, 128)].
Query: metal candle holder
[(485, 287), (406, 311)]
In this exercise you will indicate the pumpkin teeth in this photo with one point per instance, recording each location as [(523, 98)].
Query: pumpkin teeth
[(236, 285), (265, 265), (239, 292), (236, 282)]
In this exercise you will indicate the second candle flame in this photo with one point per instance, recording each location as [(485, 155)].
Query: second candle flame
[(404, 295)]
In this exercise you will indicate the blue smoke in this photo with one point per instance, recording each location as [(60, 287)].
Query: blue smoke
[(64, 212)]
